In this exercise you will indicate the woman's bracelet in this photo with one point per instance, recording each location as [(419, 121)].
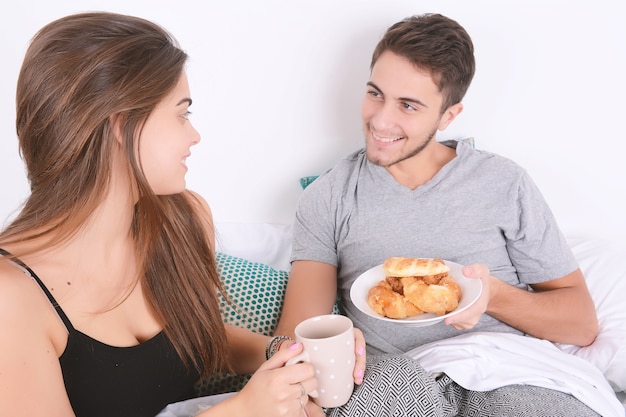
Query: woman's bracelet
[(274, 344)]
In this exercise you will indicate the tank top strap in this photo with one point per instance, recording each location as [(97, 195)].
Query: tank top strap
[(43, 287)]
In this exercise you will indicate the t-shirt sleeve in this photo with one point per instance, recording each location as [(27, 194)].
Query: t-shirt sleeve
[(537, 247), (314, 230)]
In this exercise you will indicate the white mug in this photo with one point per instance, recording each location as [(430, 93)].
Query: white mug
[(328, 342)]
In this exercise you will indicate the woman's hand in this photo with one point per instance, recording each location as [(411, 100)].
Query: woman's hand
[(468, 318), (312, 409), (276, 390), (359, 352)]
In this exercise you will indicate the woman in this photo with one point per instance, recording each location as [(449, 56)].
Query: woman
[(121, 316)]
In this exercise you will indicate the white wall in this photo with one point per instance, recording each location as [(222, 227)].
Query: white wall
[(277, 87)]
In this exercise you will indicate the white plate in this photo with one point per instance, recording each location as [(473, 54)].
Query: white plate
[(470, 291)]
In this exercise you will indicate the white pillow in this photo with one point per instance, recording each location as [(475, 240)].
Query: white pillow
[(604, 265), (266, 243)]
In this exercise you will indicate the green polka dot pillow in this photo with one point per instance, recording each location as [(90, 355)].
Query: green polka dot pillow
[(257, 292), (306, 181)]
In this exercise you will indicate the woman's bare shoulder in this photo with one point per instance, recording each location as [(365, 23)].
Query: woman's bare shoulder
[(204, 212), (201, 204), (13, 282), (20, 296), (23, 303), (28, 357)]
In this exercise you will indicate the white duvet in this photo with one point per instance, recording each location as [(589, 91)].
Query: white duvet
[(484, 361)]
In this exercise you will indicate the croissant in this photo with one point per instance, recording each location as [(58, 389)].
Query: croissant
[(386, 302), (414, 286)]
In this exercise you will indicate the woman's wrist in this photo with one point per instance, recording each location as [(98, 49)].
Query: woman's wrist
[(274, 344)]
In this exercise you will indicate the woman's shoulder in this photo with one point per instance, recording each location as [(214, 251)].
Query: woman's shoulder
[(203, 210), (32, 339), (20, 296), (199, 202), (200, 206), (22, 300), (13, 284), (26, 315)]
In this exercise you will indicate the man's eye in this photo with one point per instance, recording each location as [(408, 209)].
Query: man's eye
[(407, 106)]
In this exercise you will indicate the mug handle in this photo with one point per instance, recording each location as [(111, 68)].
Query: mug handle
[(302, 357)]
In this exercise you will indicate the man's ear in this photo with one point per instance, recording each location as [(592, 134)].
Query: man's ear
[(449, 115), (115, 120)]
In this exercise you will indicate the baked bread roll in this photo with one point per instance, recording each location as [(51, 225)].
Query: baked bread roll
[(399, 266), (414, 286), (388, 303), (434, 298)]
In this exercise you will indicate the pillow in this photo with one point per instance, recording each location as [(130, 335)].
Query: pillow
[(266, 243), (305, 181), (604, 265), (256, 292)]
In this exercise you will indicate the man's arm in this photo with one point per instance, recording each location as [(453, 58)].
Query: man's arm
[(560, 310), (311, 291)]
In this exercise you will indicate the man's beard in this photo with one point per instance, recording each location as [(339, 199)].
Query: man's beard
[(401, 158)]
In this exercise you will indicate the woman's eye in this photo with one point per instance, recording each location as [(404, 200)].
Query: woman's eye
[(186, 114)]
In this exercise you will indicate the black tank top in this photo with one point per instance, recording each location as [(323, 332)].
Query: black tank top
[(108, 381)]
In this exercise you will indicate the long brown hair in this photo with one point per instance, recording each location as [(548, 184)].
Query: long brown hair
[(81, 72), (437, 44)]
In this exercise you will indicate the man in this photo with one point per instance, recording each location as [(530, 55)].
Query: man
[(406, 194)]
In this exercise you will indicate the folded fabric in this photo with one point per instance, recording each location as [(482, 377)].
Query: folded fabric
[(189, 408), (484, 361)]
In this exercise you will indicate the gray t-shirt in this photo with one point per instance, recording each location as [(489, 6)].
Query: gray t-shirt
[(479, 208)]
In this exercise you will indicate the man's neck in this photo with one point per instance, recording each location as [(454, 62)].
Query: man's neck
[(421, 168)]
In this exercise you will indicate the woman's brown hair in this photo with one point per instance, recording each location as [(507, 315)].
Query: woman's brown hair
[(79, 74)]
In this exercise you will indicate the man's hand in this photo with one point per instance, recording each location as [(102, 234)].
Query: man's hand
[(468, 318)]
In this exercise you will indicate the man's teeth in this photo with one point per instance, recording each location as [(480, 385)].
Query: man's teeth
[(385, 139)]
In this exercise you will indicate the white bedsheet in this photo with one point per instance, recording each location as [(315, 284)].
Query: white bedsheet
[(484, 361)]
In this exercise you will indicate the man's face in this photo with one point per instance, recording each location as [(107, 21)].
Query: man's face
[(401, 110)]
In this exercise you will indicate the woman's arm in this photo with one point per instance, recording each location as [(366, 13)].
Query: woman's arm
[(247, 349)]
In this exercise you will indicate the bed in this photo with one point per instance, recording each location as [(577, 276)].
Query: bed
[(253, 261)]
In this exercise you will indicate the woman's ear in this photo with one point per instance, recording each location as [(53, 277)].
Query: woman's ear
[(115, 120), (449, 115)]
